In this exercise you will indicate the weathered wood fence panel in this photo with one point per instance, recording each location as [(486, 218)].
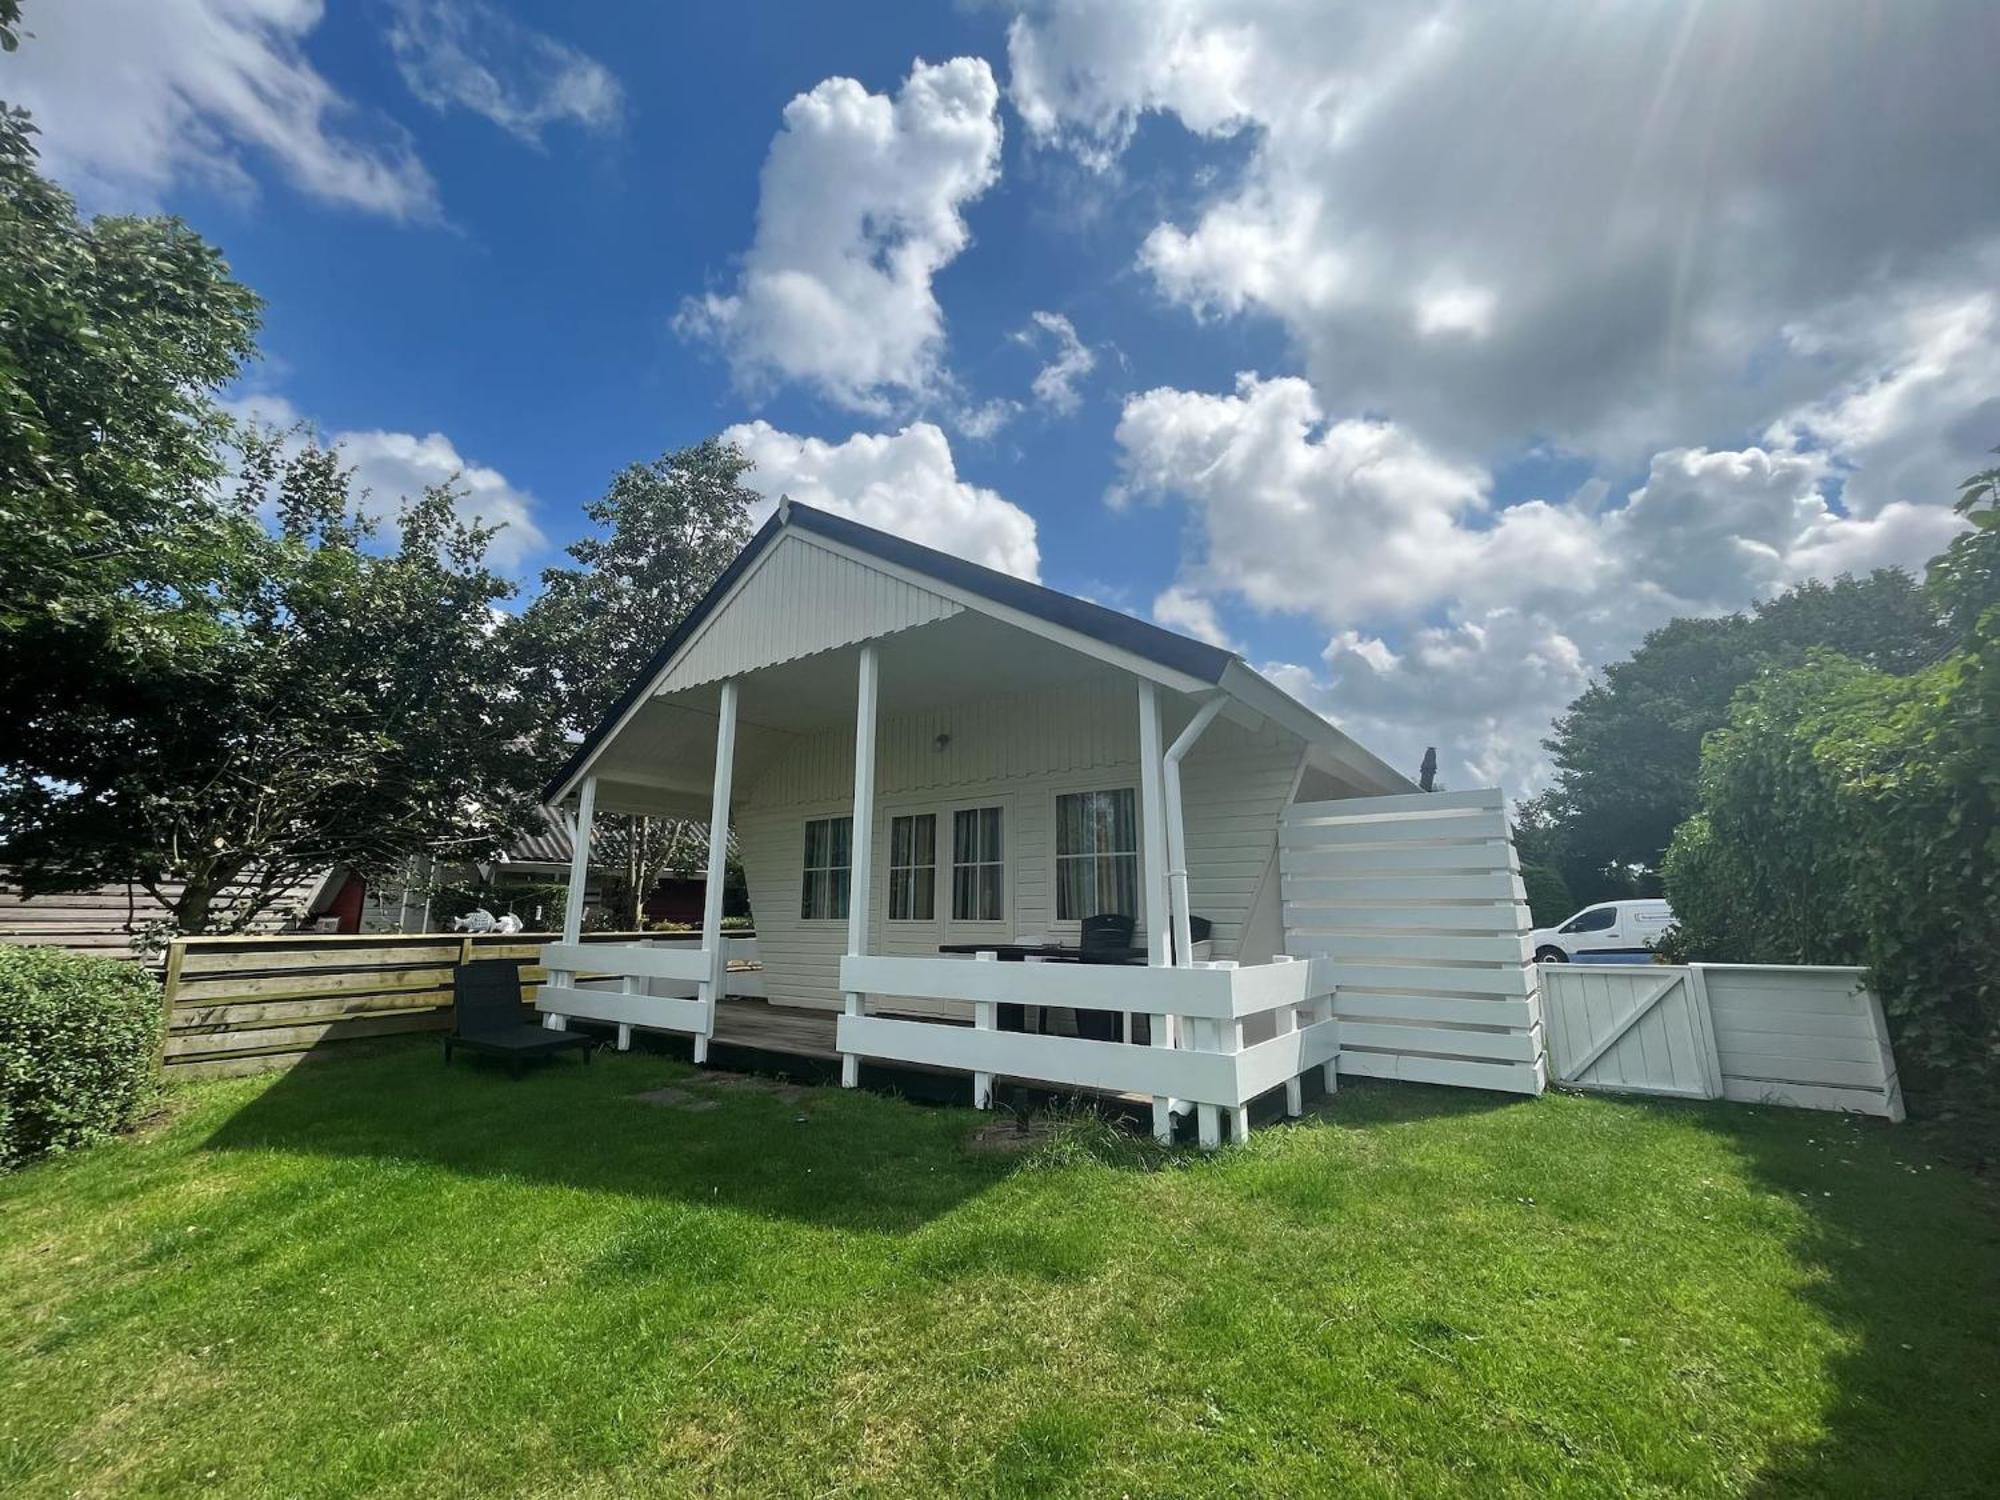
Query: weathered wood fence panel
[(109, 919), (251, 1004), (1760, 1034)]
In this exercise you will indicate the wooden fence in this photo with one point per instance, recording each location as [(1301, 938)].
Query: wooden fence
[(107, 920), (1792, 1034), (252, 1004)]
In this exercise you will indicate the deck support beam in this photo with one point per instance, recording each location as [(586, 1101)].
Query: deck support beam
[(860, 880), (718, 866), (579, 876)]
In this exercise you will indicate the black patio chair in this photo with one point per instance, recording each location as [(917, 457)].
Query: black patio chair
[(487, 1012), (1103, 939), (1108, 936)]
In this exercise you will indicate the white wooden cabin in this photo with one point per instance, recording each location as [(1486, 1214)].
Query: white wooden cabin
[(913, 751)]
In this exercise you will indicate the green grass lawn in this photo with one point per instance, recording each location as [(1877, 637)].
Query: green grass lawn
[(388, 1277)]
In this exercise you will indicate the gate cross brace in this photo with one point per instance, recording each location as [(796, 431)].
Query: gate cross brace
[(1618, 1029)]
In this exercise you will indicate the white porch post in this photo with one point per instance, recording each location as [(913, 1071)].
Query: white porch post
[(579, 873), (1157, 906), (718, 867), (1208, 1120), (861, 847)]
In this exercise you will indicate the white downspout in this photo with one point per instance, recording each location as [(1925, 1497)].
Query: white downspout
[(1177, 874)]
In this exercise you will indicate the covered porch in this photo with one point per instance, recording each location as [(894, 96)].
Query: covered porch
[(1210, 1035), (930, 770)]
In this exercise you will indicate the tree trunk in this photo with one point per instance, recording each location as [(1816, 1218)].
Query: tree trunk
[(635, 870)]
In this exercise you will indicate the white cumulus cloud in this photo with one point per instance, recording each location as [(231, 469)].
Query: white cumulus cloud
[(390, 467), (860, 205), (1455, 621), (906, 483), (1505, 220), (133, 96)]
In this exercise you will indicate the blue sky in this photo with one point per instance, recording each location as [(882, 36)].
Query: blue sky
[(1426, 355)]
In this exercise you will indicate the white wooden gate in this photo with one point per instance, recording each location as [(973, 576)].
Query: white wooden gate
[(1795, 1034), (1629, 1030), (1418, 901)]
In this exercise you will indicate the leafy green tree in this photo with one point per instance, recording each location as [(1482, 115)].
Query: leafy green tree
[(1628, 750), (1549, 900), (115, 336), (353, 703), (667, 530), (1849, 815)]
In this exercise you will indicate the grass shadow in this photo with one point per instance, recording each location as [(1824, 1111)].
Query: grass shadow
[(816, 1155), (1895, 1250)]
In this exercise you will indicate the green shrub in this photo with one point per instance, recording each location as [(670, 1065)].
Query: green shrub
[(79, 1049), (1848, 817), (1549, 900)]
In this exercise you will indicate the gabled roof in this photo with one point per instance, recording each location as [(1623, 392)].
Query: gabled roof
[(1178, 654)]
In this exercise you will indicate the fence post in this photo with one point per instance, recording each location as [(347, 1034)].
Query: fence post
[(1704, 1021), (982, 1019), (170, 983), (1162, 1026)]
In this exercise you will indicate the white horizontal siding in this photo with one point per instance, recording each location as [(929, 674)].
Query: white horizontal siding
[(798, 600), (1018, 752)]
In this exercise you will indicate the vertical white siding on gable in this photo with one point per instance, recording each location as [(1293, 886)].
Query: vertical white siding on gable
[(798, 600), (1019, 752)]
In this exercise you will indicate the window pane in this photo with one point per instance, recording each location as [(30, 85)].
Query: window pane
[(838, 906)]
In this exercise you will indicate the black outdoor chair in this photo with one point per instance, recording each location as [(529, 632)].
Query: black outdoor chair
[(487, 1013), (1108, 935), (1103, 939)]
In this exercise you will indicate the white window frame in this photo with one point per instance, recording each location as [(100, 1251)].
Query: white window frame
[(938, 830), (806, 870), (948, 860), (1056, 856)]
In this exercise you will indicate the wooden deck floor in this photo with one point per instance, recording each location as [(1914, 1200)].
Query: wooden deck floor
[(776, 1028)]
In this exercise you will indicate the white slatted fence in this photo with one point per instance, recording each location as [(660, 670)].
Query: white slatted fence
[(1793, 1034), (1418, 902)]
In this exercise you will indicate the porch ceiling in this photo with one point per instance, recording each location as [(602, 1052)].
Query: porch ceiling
[(663, 759)]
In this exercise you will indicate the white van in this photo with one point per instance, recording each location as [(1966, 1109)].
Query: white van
[(1611, 931)]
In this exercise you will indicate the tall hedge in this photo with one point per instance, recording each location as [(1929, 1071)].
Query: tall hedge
[(79, 1049), (1849, 817)]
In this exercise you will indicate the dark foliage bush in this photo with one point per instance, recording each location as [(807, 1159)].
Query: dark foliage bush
[(1549, 899), (79, 1049), (1851, 816)]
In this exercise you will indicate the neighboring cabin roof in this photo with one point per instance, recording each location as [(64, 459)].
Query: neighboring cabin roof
[(1165, 648), (554, 843)]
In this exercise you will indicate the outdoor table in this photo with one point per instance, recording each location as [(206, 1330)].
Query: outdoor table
[(1015, 1017)]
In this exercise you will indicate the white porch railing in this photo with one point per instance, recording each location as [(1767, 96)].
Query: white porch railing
[(658, 985), (1197, 1054)]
